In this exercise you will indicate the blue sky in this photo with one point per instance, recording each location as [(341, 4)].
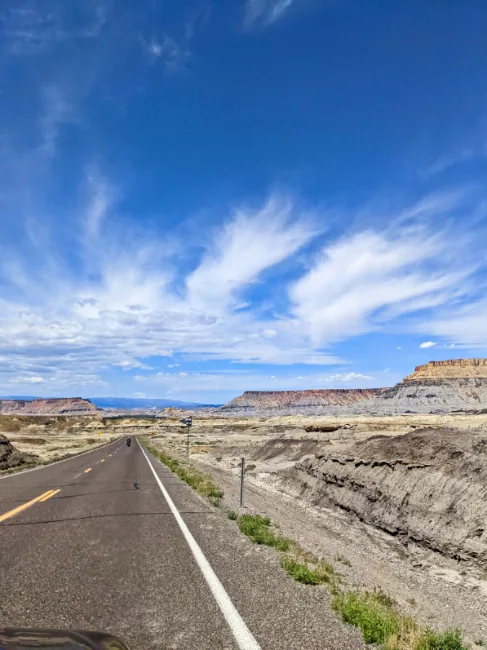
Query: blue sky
[(199, 198)]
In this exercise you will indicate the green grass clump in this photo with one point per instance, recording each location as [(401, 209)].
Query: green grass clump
[(301, 572), (202, 483), (258, 529), (382, 624), (376, 621), (232, 515), (449, 640)]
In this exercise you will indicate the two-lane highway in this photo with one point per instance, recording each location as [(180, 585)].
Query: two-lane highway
[(111, 540)]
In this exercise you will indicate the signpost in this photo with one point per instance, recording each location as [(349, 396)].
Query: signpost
[(187, 423), (242, 474)]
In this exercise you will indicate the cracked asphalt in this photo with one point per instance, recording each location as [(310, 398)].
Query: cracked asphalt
[(91, 543)]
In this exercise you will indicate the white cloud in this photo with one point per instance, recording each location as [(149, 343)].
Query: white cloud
[(345, 377), (250, 243), (462, 324), (399, 347), (57, 111), (265, 12), (427, 344), (100, 200), (362, 281), (175, 54), (238, 382), (33, 28), (73, 310), (444, 162), (130, 364), (27, 380)]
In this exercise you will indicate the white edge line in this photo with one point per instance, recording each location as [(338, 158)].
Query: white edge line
[(56, 462), (241, 632)]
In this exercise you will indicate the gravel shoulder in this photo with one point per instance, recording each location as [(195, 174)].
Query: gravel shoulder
[(439, 593)]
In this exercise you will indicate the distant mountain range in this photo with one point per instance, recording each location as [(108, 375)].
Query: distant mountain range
[(139, 403), (127, 402)]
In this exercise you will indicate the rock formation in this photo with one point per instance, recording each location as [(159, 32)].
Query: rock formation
[(11, 457), (300, 401), (450, 369), (440, 386), (436, 387), (61, 406), (428, 486)]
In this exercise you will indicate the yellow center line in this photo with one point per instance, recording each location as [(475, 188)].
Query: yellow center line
[(48, 496), (78, 475), (24, 506), (87, 470), (102, 460)]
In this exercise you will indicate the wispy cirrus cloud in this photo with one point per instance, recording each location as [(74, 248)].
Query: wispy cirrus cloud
[(101, 197), (175, 54), (362, 281), (123, 301), (197, 382), (462, 326), (33, 28), (175, 51), (265, 12), (56, 112), (247, 245)]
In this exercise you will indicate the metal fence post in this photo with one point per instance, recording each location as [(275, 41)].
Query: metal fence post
[(242, 474)]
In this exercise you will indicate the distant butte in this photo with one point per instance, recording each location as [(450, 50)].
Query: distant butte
[(51, 406)]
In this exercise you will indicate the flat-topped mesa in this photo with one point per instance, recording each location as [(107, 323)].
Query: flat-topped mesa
[(285, 399), (450, 369), (441, 387), (49, 406)]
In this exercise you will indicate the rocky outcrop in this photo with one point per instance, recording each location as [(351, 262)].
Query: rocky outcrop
[(298, 401), (440, 386), (450, 369), (11, 457), (428, 487), (61, 406), (436, 387)]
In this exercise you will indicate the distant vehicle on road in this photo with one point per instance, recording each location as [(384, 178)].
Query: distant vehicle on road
[(128, 442)]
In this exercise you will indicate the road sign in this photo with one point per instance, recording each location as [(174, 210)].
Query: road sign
[(187, 421)]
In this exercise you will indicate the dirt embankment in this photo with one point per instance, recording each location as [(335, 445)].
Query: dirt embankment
[(406, 517), (427, 486), (10, 457), (41, 439)]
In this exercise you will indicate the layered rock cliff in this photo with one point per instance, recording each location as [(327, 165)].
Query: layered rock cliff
[(436, 387), (440, 386), (61, 406), (428, 487), (450, 369), (302, 401)]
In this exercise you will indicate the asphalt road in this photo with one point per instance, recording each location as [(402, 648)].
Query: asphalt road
[(112, 541)]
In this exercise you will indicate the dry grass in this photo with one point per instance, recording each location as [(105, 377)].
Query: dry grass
[(202, 483)]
